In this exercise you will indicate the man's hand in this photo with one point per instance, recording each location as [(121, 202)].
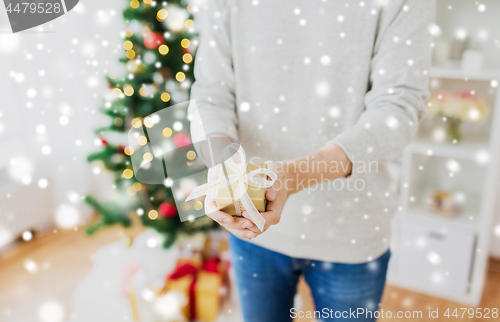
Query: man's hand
[(236, 225), (244, 227), (276, 196), (290, 173)]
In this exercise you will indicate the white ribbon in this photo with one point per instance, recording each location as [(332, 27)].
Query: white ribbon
[(239, 175)]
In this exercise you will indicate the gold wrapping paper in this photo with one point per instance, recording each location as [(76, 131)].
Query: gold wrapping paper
[(257, 195), (208, 298), (207, 290), (181, 284)]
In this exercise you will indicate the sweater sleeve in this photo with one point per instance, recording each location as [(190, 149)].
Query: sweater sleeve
[(214, 88), (395, 102)]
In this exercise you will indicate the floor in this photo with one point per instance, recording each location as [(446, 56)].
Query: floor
[(55, 271)]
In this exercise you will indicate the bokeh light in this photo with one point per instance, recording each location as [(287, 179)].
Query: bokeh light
[(30, 266), (51, 311), (9, 43), (153, 214), (20, 167), (5, 236), (27, 235), (67, 216), (127, 173)]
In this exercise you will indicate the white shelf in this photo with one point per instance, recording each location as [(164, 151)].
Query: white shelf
[(466, 149), (466, 220), (478, 180), (468, 299), (457, 73)]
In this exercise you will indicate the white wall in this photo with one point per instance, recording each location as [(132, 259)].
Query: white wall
[(74, 52), (495, 240)]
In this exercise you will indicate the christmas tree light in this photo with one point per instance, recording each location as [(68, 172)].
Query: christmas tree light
[(158, 46)]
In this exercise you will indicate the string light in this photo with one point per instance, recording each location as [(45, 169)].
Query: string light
[(191, 155), (137, 186), (162, 14), (198, 205), (165, 97), (142, 140), (130, 54), (187, 58), (189, 24), (133, 66), (128, 32), (116, 92), (144, 91), (127, 173), (148, 122), (185, 43), (134, 4), (128, 150), (167, 132), (153, 214), (137, 122), (128, 45), (148, 157), (118, 121), (180, 76), (163, 49), (131, 191), (128, 90)]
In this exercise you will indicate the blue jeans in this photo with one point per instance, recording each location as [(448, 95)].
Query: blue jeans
[(267, 283)]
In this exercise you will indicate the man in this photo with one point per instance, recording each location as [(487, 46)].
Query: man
[(308, 84)]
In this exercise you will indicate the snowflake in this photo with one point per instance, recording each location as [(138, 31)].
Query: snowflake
[(325, 60), (392, 122), (307, 209), (322, 89)]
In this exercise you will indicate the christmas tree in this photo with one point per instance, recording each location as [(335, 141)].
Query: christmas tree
[(158, 44)]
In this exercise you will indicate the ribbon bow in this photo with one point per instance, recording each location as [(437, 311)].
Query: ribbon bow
[(239, 175)]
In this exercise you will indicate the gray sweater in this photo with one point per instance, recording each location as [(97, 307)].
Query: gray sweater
[(288, 77)]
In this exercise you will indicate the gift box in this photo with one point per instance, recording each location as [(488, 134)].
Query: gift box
[(208, 295), (215, 247), (181, 284), (203, 286), (191, 243), (224, 196)]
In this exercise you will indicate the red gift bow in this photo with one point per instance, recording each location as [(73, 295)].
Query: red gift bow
[(186, 269)]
